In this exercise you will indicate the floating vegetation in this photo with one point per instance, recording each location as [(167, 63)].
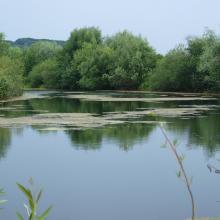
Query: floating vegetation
[(199, 106), (59, 128), (106, 98), (53, 129), (84, 120), (28, 96), (72, 119), (164, 112), (87, 120), (24, 110)]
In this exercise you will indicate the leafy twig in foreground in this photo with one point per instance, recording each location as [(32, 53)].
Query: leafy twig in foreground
[(182, 170)]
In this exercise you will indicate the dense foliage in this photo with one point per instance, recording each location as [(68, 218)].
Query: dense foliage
[(37, 53), (45, 73), (133, 59), (88, 61), (11, 70), (93, 63), (69, 74), (173, 72), (192, 68)]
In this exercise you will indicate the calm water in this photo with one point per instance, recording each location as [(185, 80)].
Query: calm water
[(115, 172)]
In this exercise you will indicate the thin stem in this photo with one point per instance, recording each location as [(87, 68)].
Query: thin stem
[(179, 160)]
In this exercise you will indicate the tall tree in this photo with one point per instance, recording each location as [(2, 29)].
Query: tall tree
[(39, 52), (94, 63), (69, 75), (173, 72), (133, 59)]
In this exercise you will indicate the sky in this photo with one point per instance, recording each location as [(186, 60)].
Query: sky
[(164, 23)]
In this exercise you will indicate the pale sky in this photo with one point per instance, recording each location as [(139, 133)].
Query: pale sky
[(165, 23)]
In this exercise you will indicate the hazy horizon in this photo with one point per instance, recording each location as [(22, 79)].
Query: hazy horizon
[(163, 24)]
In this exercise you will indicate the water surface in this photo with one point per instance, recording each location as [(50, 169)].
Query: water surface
[(117, 171)]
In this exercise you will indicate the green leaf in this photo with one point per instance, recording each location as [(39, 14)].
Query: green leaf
[(31, 217), (26, 192), (178, 174), (32, 204), (39, 195), (45, 214), (19, 216), (175, 142)]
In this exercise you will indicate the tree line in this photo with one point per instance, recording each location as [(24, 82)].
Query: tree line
[(89, 61)]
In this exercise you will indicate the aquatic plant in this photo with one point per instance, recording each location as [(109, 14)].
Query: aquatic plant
[(33, 203)]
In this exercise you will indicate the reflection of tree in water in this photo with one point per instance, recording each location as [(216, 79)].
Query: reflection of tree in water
[(19, 108), (89, 139), (66, 105), (207, 132), (125, 135), (5, 141), (202, 131)]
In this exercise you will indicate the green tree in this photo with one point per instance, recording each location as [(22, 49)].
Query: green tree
[(16, 53), (94, 62), (44, 74), (209, 63), (69, 75), (196, 47), (173, 72), (11, 72), (81, 36), (133, 59), (39, 52)]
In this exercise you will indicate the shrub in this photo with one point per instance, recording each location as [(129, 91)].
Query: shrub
[(11, 82)]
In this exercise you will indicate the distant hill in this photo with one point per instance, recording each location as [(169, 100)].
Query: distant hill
[(26, 42)]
